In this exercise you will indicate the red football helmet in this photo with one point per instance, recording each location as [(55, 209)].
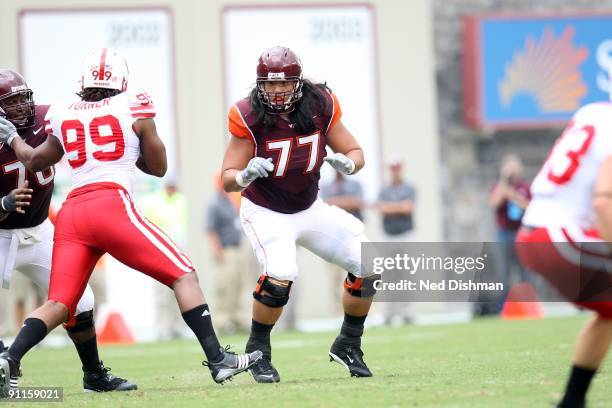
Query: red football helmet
[(279, 64), (16, 99)]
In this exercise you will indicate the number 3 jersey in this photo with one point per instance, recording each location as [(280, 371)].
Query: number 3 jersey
[(14, 173), (293, 185), (563, 189), (98, 139)]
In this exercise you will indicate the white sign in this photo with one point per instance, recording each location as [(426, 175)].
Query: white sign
[(335, 44)]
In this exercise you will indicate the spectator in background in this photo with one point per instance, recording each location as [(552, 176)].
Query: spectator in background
[(509, 198), (347, 194), (224, 234), (396, 205), (167, 208)]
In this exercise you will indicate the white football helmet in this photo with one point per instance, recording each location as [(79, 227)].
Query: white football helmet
[(105, 68)]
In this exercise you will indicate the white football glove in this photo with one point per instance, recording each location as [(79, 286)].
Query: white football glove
[(341, 163), (257, 167), (7, 131)]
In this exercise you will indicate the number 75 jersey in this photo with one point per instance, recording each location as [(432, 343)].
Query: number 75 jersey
[(563, 189), (98, 139)]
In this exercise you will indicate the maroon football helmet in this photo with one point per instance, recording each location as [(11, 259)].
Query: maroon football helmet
[(16, 99), (279, 64)]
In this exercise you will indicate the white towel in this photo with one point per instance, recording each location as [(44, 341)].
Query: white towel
[(9, 244)]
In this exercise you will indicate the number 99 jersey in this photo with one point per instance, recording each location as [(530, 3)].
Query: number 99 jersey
[(98, 139), (563, 189)]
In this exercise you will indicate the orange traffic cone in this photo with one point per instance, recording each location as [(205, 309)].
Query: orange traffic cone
[(115, 331), (522, 303)]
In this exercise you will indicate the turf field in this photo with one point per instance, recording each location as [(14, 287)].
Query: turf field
[(487, 363)]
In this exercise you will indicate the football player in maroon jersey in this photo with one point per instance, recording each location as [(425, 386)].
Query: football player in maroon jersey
[(279, 135), (26, 234)]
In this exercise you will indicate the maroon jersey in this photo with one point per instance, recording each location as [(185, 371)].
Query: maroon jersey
[(13, 172), (293, 185)]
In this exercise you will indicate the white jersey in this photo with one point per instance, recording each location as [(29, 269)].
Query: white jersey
[(563, 189), (98, 138)]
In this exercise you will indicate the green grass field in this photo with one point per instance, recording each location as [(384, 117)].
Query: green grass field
[(486, 363)]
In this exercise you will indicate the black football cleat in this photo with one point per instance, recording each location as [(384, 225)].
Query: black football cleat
[(264, 372), (3, 348), (9, 374), (231, 364), (350, 357), (101, 380)]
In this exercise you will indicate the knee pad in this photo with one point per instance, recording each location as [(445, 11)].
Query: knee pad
[(361, 287), (276, 291), (81, 322)]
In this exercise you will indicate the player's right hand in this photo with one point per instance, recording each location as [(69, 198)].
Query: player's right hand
[(17, 199), (7, 131), (257, 167)]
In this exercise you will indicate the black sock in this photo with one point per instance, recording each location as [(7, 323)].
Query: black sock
[(88, 353), (352, 329), (259, 339), (32, 333), (199, 321), (577, 386)]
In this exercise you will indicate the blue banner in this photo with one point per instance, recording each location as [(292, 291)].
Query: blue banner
[(535, 71)]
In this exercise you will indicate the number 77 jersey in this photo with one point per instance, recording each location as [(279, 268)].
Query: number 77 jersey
[(98, 139), (563, 189)]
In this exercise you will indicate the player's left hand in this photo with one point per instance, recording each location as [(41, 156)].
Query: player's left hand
[(341, 163), (7, 131), (16, 199)]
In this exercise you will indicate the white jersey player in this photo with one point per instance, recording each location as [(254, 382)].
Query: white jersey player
[(95, 132), (105, 136), (566, 232)]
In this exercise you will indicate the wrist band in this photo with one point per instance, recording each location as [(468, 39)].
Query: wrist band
[(2, 204), (240, 180)]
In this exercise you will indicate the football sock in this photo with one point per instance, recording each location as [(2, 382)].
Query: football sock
[(88, 353), (83, 335), (352, 329), (32, 333), (577, 386), (199, 321), (259, 339)]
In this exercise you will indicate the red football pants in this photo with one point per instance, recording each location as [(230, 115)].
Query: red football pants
[(101, 218), (538, 253)]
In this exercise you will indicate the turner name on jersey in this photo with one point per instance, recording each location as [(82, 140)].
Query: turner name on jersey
[(98, 138)]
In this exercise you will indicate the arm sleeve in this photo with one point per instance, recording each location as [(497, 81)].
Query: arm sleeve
[(236, 124), (51, 128), (141, 105), (336, 113)]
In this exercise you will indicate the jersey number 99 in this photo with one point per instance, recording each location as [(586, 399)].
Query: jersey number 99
[(103, 131)]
